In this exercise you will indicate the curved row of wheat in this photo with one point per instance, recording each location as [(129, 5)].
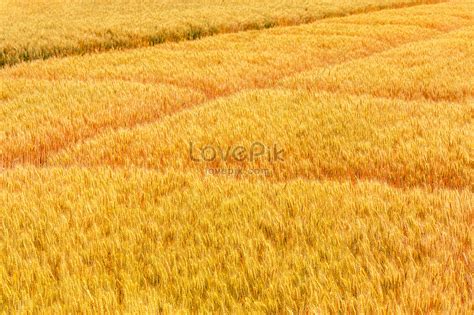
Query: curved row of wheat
[(40, 117), (321, 136), (438, 69), (47, 28)]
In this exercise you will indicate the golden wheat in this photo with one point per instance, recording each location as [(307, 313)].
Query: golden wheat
[(215, 66), (323, 136), (360, 199), (136, 241), (54, 115), (438, 69), (45, 28), (223, 65)]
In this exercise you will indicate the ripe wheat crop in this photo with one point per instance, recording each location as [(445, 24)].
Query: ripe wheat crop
[(324, 136), (223, 65), (41, 29), (133, 240), (61, 114), (437, 69), (321, 167)]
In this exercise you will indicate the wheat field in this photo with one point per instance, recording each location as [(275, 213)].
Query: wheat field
[(284, 157), (47, 28)]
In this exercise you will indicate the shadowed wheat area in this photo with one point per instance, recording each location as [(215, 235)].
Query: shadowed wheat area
[(319, 162)]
